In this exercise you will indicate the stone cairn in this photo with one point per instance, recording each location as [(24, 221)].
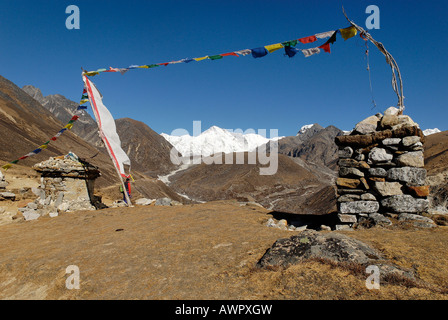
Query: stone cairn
[(381, 172), (67, 184)]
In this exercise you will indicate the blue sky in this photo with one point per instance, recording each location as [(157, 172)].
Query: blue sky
[(273, 92)]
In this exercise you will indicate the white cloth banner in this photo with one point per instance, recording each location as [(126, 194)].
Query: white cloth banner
[(309, 52), (107, 128), (324, 35)]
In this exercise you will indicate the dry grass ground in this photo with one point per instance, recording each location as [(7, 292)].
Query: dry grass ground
[(204, 251)]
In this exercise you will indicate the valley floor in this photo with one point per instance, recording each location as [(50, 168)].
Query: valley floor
[(203, 251)]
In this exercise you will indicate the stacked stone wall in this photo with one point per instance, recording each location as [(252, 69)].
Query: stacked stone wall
[(381, 172)]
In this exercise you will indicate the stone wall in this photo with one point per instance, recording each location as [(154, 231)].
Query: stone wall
[(67, 185), (381, 172)]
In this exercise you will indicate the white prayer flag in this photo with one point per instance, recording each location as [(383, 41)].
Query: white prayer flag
[(107, 128)]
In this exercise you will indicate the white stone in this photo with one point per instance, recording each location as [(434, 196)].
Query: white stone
[(30, 215), (391, 111), (144, 201), (380, 155)]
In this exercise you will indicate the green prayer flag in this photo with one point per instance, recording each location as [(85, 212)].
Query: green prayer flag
[(218, 56), (291, 43)]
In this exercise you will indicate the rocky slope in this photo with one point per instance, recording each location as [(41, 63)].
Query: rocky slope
[(313, 144), (63, 109), (149, 152)]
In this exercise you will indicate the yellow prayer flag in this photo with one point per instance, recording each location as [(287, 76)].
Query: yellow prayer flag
[(83, 101), (199, 59), (144, 67), (7, 166), (348, 33), (44, 146), (91, 73), (273, 47), (69, 126)]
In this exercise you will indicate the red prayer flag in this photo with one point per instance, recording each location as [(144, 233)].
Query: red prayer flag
[(308, 39), (163, 64), (229, 54), (326, 47)]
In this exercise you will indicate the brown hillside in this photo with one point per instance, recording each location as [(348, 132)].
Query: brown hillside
[(25, 125), (148, 150), (290, 189)]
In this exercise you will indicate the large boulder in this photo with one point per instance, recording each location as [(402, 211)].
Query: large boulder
[(311, 244)]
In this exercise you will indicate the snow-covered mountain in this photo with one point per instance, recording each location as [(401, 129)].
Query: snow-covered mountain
[(428, 132), (216, 140)]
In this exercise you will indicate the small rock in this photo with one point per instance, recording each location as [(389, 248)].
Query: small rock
[(391, 111), (325, 228), (347, 218), (409, 141), (367, 125), (32, 205), (346, 152), (388, 188), (343, 227), (410, 175), (380, 220), (7, 196), (30, 215), (163, 202), (378, 172), (368, 197), (391, 141), (422, 191), (359, 206), (350, 172), (348, 183), (412, 159), (349, 197), (380, 155), (405, 204), (417, 220), (144, 201)]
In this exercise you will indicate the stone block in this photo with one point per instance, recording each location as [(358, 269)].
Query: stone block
[(410, 175), (380, 155), (347, 172), (359, 207), (346, 152), (412, 159), (386, 189), (377, 172), (418, 191), (347, 218), (348, 183), (405, 203)]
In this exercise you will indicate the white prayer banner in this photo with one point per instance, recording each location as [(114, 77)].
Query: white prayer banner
[(107, 128)]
